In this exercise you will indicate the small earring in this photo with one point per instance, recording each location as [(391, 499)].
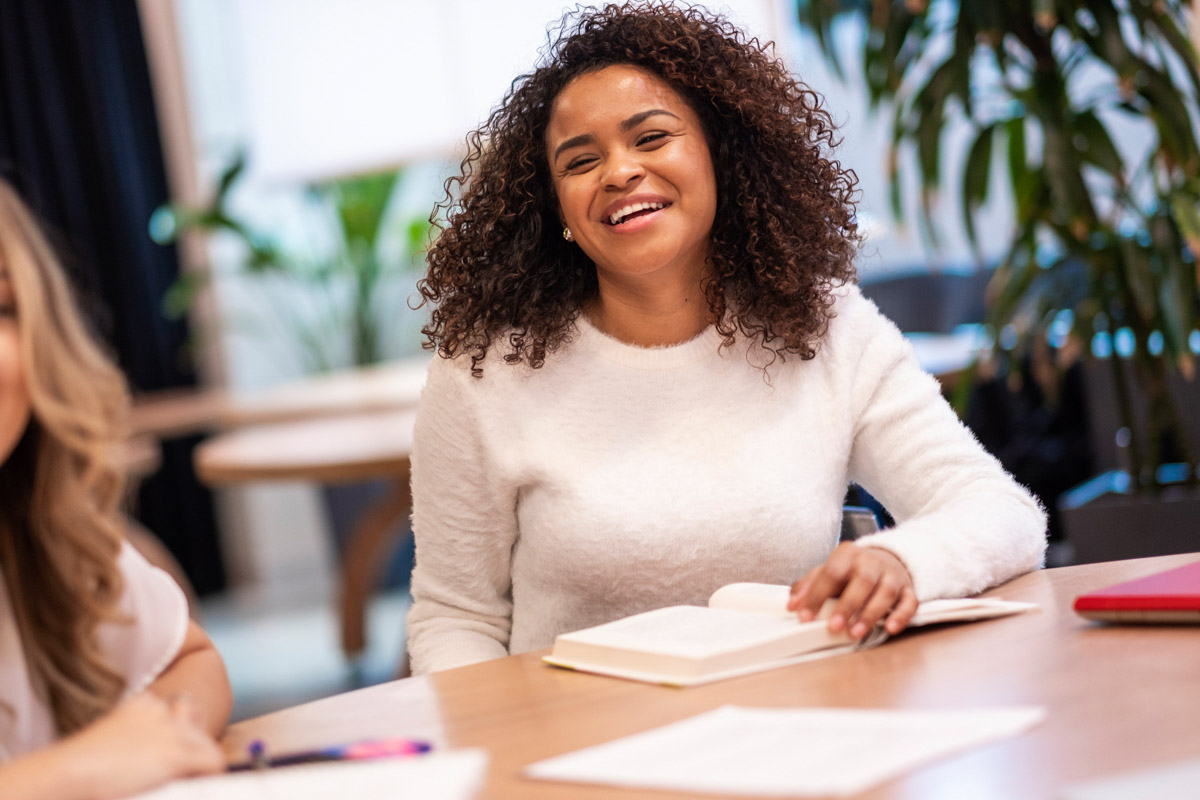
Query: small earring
[(567, 235)]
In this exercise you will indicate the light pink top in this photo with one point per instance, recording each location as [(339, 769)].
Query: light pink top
[(141, 650)]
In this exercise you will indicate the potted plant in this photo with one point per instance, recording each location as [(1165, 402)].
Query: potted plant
[(325, 296), (1103, 252)]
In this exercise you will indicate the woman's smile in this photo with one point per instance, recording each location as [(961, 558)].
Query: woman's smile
[(634, 213)]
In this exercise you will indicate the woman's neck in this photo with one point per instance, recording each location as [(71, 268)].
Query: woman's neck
[(649, 320), (656, 309)]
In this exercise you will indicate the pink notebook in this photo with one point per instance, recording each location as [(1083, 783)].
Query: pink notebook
[(1171, 596)]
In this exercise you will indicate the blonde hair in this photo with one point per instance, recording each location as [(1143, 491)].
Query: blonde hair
[(60, 489)]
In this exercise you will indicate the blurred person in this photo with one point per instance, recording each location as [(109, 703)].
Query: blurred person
[(107, 688)]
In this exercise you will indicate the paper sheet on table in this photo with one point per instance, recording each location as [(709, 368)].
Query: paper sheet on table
[(450, 775), (776, 752), (1179, 781)]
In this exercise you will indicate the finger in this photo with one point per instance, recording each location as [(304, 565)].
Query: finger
[(799, 599), (799, 589), (903, 611), (827, 580), (850, 604), (202, 755), (882, 600)]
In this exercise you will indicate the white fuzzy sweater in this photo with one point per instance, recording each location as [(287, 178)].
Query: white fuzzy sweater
[(617, 479)]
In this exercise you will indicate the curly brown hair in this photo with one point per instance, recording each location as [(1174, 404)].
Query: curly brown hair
[(785, 233)]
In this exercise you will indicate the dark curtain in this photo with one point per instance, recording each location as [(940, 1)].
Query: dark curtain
[(79, 140)]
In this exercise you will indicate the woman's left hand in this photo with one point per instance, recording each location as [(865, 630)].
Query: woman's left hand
[(870, 583)]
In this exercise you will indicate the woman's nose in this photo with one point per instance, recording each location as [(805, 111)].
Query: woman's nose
[(622, 168)]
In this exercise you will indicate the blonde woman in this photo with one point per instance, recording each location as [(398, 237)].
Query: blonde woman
[(106, 687)]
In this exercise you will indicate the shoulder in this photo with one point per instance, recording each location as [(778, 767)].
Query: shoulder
[(494, 375), (158, 611), (852, 310), (858, 329)]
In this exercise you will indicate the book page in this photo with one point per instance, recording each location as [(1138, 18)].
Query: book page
[(799, 752), (692, 631), (968, 609), (758, 598), (1177, 781), (451, 775), (771, 599)]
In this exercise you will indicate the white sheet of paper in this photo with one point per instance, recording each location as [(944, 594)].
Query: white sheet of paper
[(775, 752), (1177, 781), (449, 775)]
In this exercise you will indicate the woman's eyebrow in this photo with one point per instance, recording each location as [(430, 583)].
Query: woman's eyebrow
[(574, 141), (639, 118)]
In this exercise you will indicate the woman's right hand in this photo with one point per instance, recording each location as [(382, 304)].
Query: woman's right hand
[(143, 742)]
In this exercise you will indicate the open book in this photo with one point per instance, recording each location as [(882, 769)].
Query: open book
[(745, 628)]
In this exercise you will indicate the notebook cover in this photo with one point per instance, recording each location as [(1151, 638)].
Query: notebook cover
[(1173, 590)]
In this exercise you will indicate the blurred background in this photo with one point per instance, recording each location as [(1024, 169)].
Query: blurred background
[(242, 188)]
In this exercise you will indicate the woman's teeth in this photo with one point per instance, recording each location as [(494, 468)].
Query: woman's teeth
[(633, 208)]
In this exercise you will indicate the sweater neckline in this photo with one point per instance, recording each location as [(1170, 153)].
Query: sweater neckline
[(703, 345)]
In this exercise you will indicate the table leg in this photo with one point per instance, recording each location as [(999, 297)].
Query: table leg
[(367, 546)]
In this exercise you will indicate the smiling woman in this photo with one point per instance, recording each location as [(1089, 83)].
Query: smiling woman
[(656, 376), (783, 232)]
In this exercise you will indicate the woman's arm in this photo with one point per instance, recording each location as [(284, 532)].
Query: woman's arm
[(963, 523), (464, 525), (140, 744), (198, 673)]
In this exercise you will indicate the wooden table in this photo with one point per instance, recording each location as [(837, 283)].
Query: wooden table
[(380, 387), (341, 427), (1117, 698)]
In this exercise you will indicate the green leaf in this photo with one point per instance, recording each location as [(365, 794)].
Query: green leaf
[(181, 294), (975, 181), (1100, 148), (1134, 264), (930, 107), (1180, 44), (885, 66), (1110, 43), (360, 204), (1186, 214), (229, 177), (1175, 125)]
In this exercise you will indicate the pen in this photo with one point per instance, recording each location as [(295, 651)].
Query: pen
[(356, 751)]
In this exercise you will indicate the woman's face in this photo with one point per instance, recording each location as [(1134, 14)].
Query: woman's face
[(633, 174), (14, 394)]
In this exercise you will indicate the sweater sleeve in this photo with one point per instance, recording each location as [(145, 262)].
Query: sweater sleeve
[(464, 527), (158, 608), (963, 523)]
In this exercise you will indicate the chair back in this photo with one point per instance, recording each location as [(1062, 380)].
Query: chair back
[(857, 521)]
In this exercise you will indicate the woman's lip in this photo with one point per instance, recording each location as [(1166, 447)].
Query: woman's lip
[(632, 199), (636, 224)]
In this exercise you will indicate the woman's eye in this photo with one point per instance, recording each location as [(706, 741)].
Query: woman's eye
[(8, 310), (582, 161), (647, 138)]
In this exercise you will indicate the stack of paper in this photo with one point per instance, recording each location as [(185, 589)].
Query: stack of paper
[(452, 775), (784, 752)]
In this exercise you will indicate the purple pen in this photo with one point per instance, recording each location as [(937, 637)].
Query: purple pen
[(356, 751)]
